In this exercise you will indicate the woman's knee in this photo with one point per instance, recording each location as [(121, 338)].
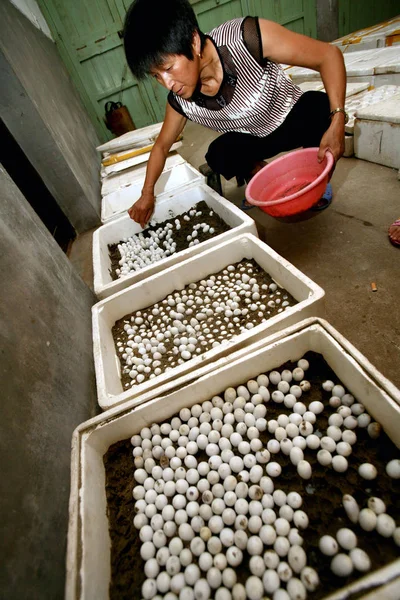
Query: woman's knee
[(230, 153)]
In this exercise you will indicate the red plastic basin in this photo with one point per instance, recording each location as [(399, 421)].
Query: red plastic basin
[(291, 184)]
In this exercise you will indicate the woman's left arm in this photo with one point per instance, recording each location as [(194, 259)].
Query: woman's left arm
[(283, 46)]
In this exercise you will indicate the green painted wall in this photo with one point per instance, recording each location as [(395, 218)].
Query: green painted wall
[(358, 14)]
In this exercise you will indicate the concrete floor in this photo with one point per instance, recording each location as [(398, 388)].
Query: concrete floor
[(343, 249)]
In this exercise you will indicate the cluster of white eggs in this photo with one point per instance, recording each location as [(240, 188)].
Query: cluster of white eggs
[(197, 520), (201, 316), (143, 249), (343, 564), (206, 500), (374, 517)]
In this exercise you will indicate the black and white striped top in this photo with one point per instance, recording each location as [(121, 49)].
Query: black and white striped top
[(255, 95)]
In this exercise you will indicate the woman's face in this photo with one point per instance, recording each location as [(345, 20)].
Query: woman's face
[(178, 74)]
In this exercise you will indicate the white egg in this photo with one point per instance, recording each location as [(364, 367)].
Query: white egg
[(342, 565), (267, 534), (385, 525), (393, 468), (304, 469), (338, 390), (281, 546), (351, 507), (295, 538), (234, 556), (377, 505), (300, 519), (298, 374), (313, 441), (374, 430), (328, 385), (273, 469), (192, 574), (346, 538), (297, 558), (328, 545), (367, 519), (349, 437), (339, 463), (296, 455), (147, 550), (271, 581), (305, 385), (274, 377), (360, 560), (367, 471), (296, 589), (335, 402), (309, 578), (149, 589)]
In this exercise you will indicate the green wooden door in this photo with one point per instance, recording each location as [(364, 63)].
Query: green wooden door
[(88, 35), (211, 13), (359, 14), (297, 15)]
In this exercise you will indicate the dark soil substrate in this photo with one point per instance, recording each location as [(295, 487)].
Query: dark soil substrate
[(119, 334), (322, 499), (180, 235)]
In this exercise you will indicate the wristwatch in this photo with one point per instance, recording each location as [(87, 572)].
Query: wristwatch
[(336, 110)]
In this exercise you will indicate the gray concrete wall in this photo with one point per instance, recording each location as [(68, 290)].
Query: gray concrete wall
[(327, 20), (41, 108), (47, 389)]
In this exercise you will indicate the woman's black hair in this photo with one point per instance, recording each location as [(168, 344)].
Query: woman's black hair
[(155, 28)]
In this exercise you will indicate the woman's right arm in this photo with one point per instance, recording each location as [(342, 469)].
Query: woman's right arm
[(173, 125)]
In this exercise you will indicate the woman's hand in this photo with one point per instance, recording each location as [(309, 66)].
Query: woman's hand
[(142, 210), (333, 139)]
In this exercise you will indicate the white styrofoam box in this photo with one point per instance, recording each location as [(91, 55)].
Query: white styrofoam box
[(377, 132), (309, 296), (131, 138), (371, 37), (176, 204), (366, 99), (128, 176), (119, 201), (88, 552), (135, 160), (364, 65)]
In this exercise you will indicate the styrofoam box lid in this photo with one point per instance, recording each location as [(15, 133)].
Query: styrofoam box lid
[(88, 552), (387, 110), (119, 201), (166, 207), (362, 62), (386, 59), (309, 296), (366, 99), (302, 72), (128, 176), (131, 138), (135, 160)]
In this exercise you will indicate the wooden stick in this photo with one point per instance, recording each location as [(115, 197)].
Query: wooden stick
[(112, 160)]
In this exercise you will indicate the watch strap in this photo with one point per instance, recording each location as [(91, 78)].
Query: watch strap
[(337, 110)]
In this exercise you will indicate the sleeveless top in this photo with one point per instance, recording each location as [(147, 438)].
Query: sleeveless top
[(255, 95)]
